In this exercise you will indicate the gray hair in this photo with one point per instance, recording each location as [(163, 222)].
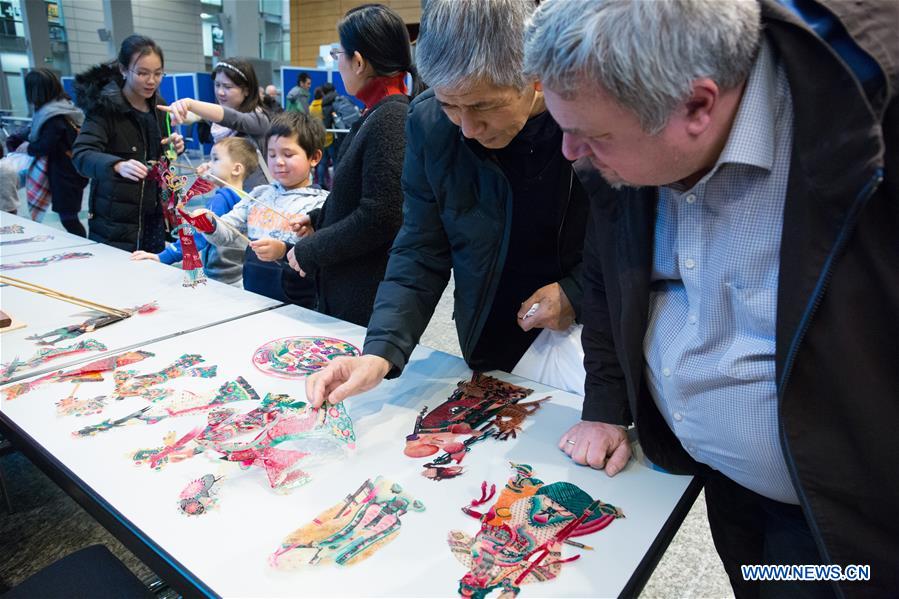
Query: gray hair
[(644, 53), (465, 42)]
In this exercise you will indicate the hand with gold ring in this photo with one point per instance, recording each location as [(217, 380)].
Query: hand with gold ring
[(598, 445)]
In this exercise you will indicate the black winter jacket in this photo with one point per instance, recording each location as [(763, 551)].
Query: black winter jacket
[(837, 331), (354, 229), (457, 216), (55, 141), (111, 133)]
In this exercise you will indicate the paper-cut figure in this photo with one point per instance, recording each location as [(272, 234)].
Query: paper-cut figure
[(295, 440), (172, 451), (89, 373), (45, 261), (298, 357), (12, 229), (47, 354), (350, 531), (521, 535), (130, 384), (198, 497), (96, 320), (27, 240), (483, 399)]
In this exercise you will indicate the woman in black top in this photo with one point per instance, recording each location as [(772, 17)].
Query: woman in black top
[(122, 133), (53, 130), (347, 240)]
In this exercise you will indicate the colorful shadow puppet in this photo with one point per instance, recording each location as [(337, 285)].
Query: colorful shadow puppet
[(350, 531), (298, 357), (96, 320), (521, 535), (47, 354)]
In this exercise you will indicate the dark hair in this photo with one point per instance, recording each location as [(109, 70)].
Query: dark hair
[(380, 36), (318, 93), (241, 72), (42, 86), (308, 131), (17, 138), (303, 78), (327, 87), (140, 45)]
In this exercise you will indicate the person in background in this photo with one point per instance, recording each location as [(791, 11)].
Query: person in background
[(272, 99), (345, 244), (54, 127), (12, 163), (123, 132), (231, 159), (239, 112), (294, 147), (489, 199), (316, 111), (741, 266), (298, 97)]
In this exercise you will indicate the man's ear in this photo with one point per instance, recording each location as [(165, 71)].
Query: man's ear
[(701, 105), (316, 158)]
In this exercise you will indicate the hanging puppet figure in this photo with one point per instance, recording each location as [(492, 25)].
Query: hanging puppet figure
[(173, 200), (521, 535), (350, 531)]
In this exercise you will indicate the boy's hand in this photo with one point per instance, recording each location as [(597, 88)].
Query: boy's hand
[(302, 225), (200, 219), (204, 168), (269, 250), (142, 255)]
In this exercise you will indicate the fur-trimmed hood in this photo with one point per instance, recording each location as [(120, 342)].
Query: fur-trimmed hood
[(99, 89)]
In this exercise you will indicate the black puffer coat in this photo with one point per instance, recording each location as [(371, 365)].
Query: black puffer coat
[(119, 208)]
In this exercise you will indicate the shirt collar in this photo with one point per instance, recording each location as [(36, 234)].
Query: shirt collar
[(751, 140)]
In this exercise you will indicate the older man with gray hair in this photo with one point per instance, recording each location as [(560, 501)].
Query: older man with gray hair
[(741, 282), (488, 196)]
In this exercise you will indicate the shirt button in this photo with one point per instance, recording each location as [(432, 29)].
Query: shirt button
[(678, 416), (689, 263), (691, 198), (666, 371), (691, 319)]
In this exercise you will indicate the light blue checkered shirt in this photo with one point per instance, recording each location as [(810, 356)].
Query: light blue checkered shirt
[(710, 343)]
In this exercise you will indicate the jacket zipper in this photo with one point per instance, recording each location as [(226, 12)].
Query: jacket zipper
[(562, 221), (482, 315), (824, 280)]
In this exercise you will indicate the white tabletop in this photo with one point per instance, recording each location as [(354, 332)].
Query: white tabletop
[(229, 547), (110, 278), (58, 239)]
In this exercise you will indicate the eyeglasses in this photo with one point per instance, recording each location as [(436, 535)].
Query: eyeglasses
[(147, 75), (335, 53)]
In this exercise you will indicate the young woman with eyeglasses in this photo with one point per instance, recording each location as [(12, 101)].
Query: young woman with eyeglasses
[(239, 112), (123, 131), (345, 243)]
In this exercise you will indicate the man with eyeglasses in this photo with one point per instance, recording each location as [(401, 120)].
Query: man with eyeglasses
[(488, 196)]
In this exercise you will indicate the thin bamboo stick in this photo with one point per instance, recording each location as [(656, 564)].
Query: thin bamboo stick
[(39, 289)]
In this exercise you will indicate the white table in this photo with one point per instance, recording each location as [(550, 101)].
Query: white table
[(61, 240), (226, 551), (110, 278)]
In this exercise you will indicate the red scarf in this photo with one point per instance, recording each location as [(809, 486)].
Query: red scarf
[(379, 88)]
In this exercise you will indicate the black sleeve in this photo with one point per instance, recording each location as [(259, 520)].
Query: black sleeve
[(375, 221), (52, 136), (89, 152), (605, 398)]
